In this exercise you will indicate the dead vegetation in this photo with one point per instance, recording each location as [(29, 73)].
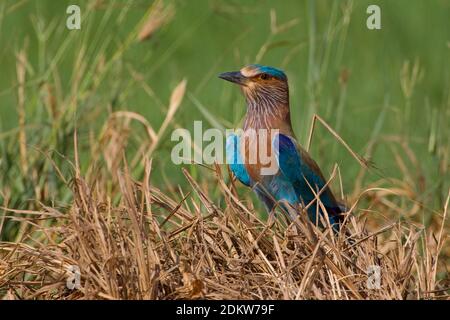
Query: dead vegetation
[(135, 242)]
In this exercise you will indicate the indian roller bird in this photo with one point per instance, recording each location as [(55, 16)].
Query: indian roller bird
[(297, 179)]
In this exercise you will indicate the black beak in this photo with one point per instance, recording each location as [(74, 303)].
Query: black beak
[(234, 76)]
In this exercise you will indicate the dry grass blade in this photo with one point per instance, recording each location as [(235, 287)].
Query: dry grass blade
[(159, 15), (175, 101), (21, 71), (363, 162)]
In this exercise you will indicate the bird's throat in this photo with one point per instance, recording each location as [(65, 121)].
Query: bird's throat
[(269, 118)]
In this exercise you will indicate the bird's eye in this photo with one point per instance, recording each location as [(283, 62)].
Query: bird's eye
[(264, 76)]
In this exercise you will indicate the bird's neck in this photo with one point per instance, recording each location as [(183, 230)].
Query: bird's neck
[(266, 114)]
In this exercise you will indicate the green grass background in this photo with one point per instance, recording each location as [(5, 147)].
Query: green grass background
[(206, 38)]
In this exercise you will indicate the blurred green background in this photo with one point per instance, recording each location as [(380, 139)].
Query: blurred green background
[(389, 86)]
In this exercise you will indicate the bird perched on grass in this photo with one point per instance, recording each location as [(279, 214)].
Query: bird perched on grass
[(297, 179)]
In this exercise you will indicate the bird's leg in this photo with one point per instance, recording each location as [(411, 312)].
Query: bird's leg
[(362, 161)]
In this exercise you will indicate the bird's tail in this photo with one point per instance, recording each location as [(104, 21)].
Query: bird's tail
[(334, 214), (337, 217)]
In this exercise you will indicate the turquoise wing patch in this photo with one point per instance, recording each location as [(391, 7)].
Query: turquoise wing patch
[(297, 170), (234, 159)]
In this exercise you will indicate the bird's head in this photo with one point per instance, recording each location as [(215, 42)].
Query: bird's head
[(261, 84)]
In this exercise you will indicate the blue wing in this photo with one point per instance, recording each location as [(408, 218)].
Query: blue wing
[(298, 167), (234, 159)]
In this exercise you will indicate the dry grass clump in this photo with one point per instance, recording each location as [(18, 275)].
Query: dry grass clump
[(136, 242)]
